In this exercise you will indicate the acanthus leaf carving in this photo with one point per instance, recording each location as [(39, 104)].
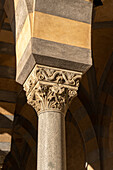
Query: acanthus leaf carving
[(51, 88)]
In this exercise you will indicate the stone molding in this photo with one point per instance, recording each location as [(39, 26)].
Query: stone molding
[(49, 88)]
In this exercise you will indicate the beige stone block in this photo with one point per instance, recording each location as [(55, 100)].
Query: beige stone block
[(62, 30)]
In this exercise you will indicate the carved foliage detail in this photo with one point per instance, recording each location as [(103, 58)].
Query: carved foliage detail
[(58, 76), (49, 88)]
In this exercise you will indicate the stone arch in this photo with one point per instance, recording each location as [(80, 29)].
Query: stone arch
[(87, 132), (24, 133), (105, 74), (105, 117), (8, 86)]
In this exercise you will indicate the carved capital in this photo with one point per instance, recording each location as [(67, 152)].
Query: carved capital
[(50, 88)]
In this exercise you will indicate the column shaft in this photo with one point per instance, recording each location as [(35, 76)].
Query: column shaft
[(51, 141)]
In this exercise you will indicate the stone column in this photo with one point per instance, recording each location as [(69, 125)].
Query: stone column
[(50, 91), (51, 141)]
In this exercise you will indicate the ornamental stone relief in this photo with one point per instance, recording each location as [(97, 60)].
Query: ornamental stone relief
[(50, 88)]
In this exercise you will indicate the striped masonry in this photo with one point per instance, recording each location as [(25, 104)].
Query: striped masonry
[(8, 88), (60, 25)]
